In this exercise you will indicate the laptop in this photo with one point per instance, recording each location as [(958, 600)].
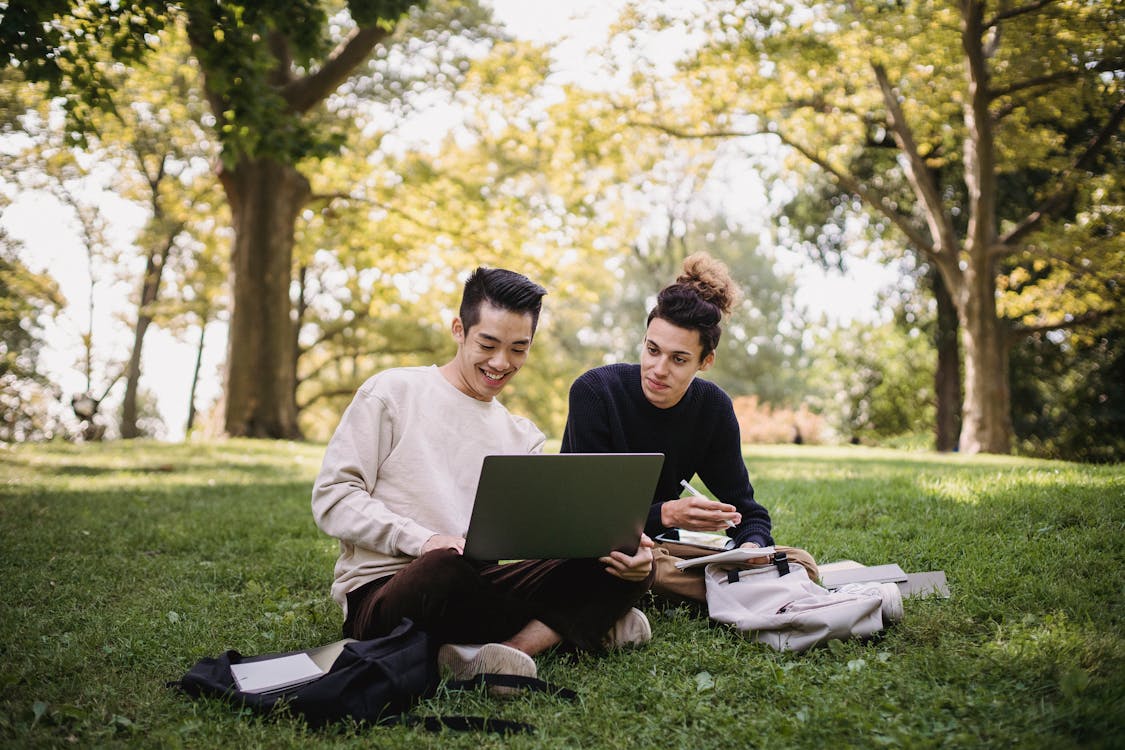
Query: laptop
[(561, 505)]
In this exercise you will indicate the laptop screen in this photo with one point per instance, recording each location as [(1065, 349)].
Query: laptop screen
[(561, 505)]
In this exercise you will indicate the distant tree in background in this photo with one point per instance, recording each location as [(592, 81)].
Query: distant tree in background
[(164, 157), (1074, 408), (28, 400), (68, 176), (831, 225), (267, 71), (993, 87), (760, 350), (153, 155), (874, 381)]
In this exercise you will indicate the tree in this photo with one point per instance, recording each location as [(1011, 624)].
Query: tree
[(267, 71), (39, 161), (875, 380), (71, 182), (822, 219), (383, 264), (152, 153), (163, 155), (761, 345), (202, 291), (26, 395), (995, 88)]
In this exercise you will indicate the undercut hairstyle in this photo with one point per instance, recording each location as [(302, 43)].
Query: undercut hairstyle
[(701, 295), (504, 289)]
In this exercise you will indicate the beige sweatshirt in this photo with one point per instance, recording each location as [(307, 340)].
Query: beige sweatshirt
[(403, 465)]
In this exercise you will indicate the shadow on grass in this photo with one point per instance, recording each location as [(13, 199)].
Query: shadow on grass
[(91, 471)]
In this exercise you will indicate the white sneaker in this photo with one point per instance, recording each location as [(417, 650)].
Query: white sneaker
[(889, 593), (631, 630), (463, 662)]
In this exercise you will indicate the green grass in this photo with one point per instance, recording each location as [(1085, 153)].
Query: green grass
[(122, 564)]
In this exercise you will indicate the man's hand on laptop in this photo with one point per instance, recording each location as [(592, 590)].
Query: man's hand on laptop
[(444, 541), (631, 567)]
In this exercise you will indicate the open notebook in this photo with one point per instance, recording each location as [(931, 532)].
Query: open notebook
[(269, 675)]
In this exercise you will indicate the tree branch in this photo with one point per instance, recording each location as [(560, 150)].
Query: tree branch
[(304, 93), (327, 198), (1017, 331), (350, 390), (941, 228), (1054, 202), (1030, 83), (329, 332), (341, 391), (872, 197), (1017, 11)]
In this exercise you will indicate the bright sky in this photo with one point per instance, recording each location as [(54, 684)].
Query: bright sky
[(50, 237)]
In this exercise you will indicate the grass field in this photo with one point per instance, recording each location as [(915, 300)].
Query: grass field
[(122, 564)]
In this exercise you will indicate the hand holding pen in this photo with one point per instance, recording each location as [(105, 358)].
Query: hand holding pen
[(698, 512)]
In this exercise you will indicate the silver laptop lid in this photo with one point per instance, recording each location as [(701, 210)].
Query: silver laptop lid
[(561, 505)]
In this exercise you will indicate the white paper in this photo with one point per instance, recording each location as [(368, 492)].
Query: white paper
[(737, 555), (274, 674)]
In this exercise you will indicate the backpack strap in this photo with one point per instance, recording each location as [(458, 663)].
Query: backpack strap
[(467, 724), (485, 723), (513, 681)]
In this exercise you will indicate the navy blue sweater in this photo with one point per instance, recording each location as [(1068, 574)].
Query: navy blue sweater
[(610, 414)]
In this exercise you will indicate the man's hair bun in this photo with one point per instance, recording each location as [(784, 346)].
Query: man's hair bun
[(710, 278)]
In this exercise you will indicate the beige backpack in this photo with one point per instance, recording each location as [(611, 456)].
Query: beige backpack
[(789, 612)]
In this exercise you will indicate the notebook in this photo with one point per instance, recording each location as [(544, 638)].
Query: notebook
[(273, 674), (561, 505), (278, 673), (832, 578)]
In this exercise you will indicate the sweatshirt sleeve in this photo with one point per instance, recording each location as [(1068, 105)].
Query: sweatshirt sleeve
[(345, 498)]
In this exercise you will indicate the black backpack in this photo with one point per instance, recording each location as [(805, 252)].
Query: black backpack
[(377, 681)]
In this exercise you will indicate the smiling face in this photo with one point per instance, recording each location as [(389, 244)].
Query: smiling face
[(669, 360), (490, 353)]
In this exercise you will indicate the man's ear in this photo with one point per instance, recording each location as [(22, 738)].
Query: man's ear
[(458, 330), (707, 362)]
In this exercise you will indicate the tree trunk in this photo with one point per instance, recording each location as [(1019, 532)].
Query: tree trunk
[(132, 380), (150, 289), (299, 320), (986, 424), (947, 376), (986, 419), (265, 197), (195, 377)]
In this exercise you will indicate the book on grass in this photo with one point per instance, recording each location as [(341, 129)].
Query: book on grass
[(270, 675), (890, 573), (739, 555)]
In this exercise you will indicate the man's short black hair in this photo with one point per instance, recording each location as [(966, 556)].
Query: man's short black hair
[(504, 289)]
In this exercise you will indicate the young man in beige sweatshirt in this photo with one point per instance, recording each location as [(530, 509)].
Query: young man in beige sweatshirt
[(396, 489)]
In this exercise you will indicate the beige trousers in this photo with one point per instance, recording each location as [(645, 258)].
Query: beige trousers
[(687, 585)]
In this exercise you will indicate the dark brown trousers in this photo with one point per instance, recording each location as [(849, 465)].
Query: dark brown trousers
[(459, 600)]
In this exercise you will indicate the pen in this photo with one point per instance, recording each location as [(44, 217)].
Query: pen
[(697, 493)]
